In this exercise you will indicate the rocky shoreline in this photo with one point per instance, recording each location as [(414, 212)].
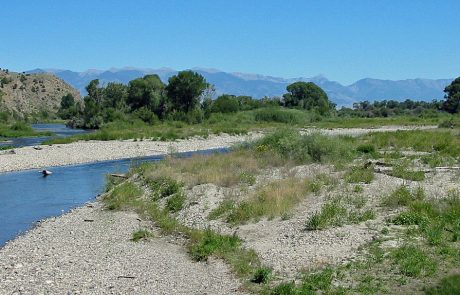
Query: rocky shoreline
[(95, 151)]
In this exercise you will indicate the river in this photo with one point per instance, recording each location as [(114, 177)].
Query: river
[(27, 197), (60, 130)]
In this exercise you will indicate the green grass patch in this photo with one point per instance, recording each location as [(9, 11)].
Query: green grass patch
[(313, 283), (414, 262), (308, 148), (124, 195), (401, 171), (20, 129)]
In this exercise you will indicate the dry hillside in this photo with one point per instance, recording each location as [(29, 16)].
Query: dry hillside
[(31, 93)]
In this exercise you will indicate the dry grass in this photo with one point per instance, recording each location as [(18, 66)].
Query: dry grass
[(221, 169), (274, 200)]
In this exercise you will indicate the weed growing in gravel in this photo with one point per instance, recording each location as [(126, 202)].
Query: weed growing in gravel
[(228, 247), (141, 234), (413, 261), (221, 169), (223, 208), (360, 175), (401, 171), (124, 195), (334, 213), (366, 148), (313, 283), (331, 214), (402, 196)]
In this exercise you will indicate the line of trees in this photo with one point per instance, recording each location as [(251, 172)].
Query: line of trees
[(388, 108), (187, 97)]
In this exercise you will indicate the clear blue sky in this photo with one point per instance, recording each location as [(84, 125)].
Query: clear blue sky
[(344, 40)]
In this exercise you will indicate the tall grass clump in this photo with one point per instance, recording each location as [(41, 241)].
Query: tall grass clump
[(444, 142), (308, 148), (277, 115), (403, 196)]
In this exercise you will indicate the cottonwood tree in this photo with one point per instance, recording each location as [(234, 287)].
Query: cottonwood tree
[(452, 102), (185, 89), (309, 96)]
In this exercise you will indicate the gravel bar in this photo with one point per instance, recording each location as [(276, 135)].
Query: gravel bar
[(89, 251)]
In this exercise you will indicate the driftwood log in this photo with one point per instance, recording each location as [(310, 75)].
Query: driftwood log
[(118, 175)]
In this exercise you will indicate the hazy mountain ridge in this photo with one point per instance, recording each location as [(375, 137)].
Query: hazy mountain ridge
[(259, 85)]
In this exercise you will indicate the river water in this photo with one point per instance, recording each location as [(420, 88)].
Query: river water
[(27, 197), (60, 130)]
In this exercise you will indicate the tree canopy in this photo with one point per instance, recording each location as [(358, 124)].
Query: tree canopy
[(309, 96), (452, 102), (184, 90), (147, 92)]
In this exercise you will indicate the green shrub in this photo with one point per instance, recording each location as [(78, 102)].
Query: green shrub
[(277, 115), (285, 289), (410, 218), (247, 178), (224, 207), (164, 187), (211, 243), (225, 104), (402, 172), (366, 148)]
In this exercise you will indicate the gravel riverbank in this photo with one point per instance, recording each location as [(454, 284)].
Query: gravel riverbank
[(94, 151), (89, 251)]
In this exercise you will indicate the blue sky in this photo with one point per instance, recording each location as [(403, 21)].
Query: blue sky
[(344, 40)]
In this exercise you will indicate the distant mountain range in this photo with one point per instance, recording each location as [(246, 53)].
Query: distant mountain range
[(259, 85)]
